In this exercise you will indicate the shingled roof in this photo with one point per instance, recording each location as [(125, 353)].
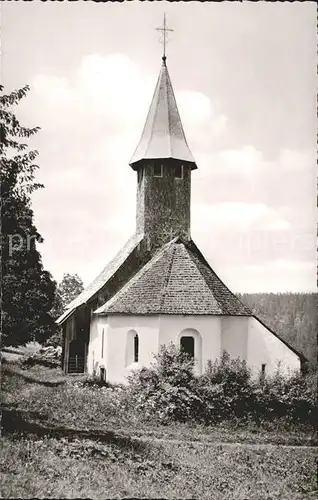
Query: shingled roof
[(163, 135), (103, 277), (177, 280)]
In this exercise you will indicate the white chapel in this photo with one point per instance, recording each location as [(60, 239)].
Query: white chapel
[(159, 288)]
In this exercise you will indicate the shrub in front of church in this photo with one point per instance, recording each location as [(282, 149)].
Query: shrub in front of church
[(292, 398), (229, 393), (167, 390), (226, 389)]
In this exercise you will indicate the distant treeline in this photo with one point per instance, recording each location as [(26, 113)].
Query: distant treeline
[(293, 316)]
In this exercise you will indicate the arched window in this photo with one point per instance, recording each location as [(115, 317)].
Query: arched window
[(190, 342), (132, 348), (187, 345)]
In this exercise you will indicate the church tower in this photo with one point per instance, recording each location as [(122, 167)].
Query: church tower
[(163, 162)]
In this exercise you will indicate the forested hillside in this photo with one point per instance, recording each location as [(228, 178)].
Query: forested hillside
[(291, 315)]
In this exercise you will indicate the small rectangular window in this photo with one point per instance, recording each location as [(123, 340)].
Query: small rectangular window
[(140, 174), (136, 348), (263, 370), (178, 171), (102, 374), (157, 170)]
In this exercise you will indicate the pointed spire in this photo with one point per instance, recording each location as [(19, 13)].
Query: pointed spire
[(163, 135)]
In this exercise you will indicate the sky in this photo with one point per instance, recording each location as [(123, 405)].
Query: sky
[(244, 76)]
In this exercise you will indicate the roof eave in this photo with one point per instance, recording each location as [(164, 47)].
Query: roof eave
[(65, 316), (135, 164), (299, 354)]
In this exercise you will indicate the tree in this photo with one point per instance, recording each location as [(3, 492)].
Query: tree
[(70, 287), (27, 289), (67, 290)]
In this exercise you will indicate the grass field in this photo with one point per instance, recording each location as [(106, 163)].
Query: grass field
[(62, 439)]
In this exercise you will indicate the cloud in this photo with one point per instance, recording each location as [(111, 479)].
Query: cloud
[(91, 123), (277, 276), (249, 161), (243, 216), (112, 87), (298, 161), (195, 108)]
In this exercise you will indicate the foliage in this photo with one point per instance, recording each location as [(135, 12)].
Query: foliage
[(169, 390), (109, 451), (165, 390), (293, 398), (291, 315), (226, 389), (67, 290), (69, 402), (27, 289)]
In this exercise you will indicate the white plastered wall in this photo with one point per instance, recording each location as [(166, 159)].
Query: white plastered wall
[(263, 347), (242, 337), (234, 336), (152, 331), (96, 357), (118, 333), (208, 327)]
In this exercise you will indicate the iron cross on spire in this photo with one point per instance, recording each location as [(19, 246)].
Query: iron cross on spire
[(164, 30)]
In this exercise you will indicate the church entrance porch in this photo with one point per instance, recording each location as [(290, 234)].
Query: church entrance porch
[(76, 342), (76, 359)]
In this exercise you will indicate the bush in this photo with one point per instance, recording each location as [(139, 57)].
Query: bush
[(293, 398), (166, 390), (226, 389), (169, 390), (56, 339)]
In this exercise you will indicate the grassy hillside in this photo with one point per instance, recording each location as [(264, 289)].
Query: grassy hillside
[(63, 438)]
